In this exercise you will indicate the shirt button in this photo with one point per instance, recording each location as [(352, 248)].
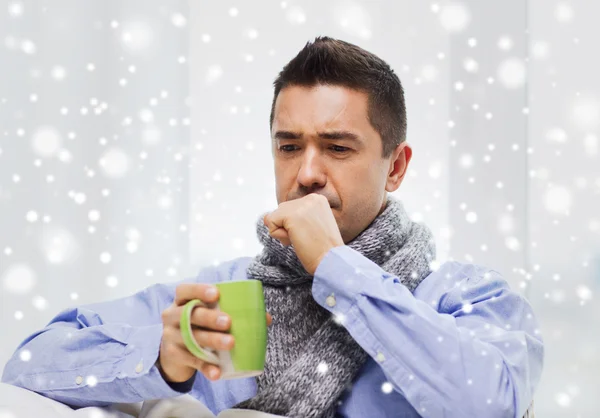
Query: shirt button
[(79, 380), (330, 301), (139, 367), (380, 357)]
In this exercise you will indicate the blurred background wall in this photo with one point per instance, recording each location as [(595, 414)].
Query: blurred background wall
[(134, 148)]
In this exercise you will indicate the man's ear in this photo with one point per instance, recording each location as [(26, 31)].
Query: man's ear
[(398, 167)]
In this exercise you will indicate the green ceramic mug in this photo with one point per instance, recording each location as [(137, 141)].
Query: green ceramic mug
[(244, 302)]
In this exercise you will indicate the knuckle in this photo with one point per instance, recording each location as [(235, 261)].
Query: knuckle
[(199, 316), (170, 334), (166, 334), (165, 315), (316, 197), (171, 350), (201, 337)]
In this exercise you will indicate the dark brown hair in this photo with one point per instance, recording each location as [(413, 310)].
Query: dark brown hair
[(334, 62)]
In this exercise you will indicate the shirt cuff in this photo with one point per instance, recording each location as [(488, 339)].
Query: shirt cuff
[(139, 365), (342, 277), (183, 387)]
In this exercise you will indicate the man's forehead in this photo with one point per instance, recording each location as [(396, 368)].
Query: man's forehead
[(321, 109), (322, 95)]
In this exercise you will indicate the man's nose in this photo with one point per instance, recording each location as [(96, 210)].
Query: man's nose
[(312, 174)]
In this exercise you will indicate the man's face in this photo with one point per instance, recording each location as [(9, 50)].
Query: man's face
[(323, 143)]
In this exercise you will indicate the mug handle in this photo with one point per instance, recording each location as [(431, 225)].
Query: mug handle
[(205, 354)]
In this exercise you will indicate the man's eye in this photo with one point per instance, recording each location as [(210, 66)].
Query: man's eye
[(284, 149), (340, 149)]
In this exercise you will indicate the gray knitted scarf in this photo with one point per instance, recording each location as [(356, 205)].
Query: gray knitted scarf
[(311, 359)]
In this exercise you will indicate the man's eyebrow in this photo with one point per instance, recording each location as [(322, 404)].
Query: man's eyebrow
[(323, 135)]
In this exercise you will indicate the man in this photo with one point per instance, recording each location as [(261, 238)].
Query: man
[(362, 323)]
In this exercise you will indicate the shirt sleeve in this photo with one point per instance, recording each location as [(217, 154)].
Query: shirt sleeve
[(102, 353), (468, 346)]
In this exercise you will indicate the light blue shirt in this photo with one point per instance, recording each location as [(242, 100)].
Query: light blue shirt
[(463, 345)]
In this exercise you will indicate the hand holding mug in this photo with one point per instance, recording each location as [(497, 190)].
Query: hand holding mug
[(210, 328)]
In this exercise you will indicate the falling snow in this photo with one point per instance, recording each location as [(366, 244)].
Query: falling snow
[(387, 387), (454, 17), (512, 73), (113, 170), (322, 368)]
